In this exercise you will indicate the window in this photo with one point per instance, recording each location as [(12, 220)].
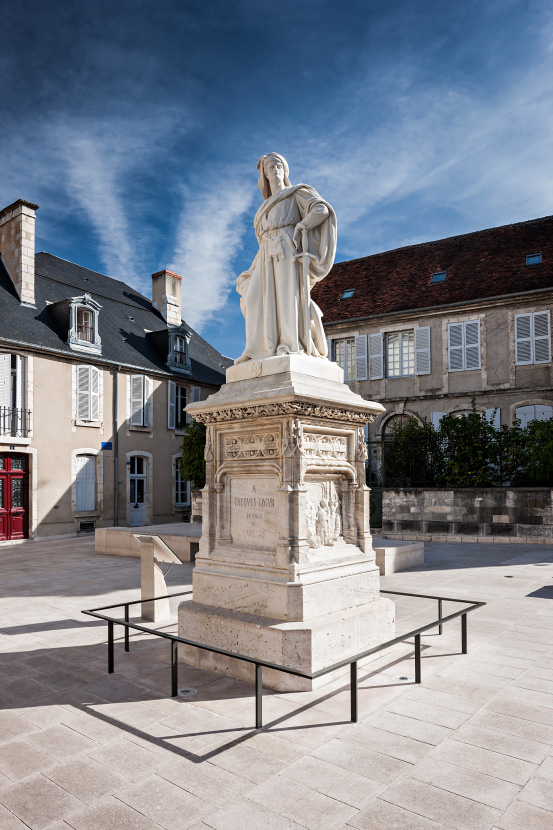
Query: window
[(85, 325), (533, 259), (344, 356), (182, 488), (438, 276), (400, 354), (85, 483), (137, 479), (83, 330), (532, 338), (180, 351), (88, 393), (14, 417), (177, 417), (348, 294), (464, 346), (140, 401), (179, 357), (534, 412)]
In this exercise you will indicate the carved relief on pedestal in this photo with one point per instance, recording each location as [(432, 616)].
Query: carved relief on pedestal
[(292, 442), (361, 445), (323, 513), (261, 445), (325, 446), (299, 408)]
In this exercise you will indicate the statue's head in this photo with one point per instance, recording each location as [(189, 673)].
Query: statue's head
[(268, 166)]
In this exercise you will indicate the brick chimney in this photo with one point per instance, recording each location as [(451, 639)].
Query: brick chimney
[(17, 245), (167, 296)]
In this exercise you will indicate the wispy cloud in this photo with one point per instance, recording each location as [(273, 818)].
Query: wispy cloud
[(209, 237)]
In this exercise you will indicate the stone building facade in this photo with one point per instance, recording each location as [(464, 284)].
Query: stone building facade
[(94, 380)]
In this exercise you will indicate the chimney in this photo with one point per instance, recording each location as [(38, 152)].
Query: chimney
[(17, 245), (166, 296)]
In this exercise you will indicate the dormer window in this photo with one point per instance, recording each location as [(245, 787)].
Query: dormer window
[(180, 351), (83, 329), (179, 358)]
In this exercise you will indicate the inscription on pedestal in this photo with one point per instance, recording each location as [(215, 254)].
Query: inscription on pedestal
[(253, 511)]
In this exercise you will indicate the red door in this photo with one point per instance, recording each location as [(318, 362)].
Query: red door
[(13, 496)]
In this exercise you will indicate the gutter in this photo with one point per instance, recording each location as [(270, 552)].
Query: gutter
[(459, 304)]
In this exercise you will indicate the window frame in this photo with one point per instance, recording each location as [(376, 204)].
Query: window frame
[(401, 334)]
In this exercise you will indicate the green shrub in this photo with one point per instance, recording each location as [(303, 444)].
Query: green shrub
[(192, 465)]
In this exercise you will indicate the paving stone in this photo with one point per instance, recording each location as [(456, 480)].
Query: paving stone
[(86, 779), (485, 789), (538, 792), (381, 815), (110, 815), (242, 814), (545, 770), (363, 761), (528, 729), (38, 802), (441, 806), (248, 763), (388, 743), (336, 782), (165, 803), (483, 760), (19, 759), (301, 804), (418, 730), (127, 759), (498, 741), (12, 726), (523, 816), (428, 713), (61, 742)]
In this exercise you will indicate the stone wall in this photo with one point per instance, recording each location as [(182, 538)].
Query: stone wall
[(472, 514)]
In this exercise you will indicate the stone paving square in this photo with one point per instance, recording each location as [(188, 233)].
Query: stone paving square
[(469, 749)]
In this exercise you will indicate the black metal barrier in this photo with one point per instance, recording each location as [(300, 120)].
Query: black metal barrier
[(261, 664)]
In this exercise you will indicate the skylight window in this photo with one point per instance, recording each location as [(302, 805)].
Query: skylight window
[(438, 276), (348, 293), (533, 259)]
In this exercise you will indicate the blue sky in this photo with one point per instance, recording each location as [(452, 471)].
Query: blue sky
[(137, 125)]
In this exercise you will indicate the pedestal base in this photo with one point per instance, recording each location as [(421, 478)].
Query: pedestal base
[(308, 646)]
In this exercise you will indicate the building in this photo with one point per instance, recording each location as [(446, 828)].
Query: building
[(421, 328), (94, 379)]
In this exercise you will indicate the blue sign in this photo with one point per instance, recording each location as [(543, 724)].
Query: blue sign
[(106, 445)]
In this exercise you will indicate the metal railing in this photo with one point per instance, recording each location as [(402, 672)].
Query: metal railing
[(14, 422), (261, 664)]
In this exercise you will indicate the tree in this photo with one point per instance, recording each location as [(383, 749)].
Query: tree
[(192, 464)]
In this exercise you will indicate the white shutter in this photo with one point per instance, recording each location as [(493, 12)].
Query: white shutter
[(422, 350), (85, 483), (523, 339), (196, 394), (472, 344), (455, 347), (525, 414), (171, 405), (494, 417), (20, 382), (376, 356), (148, 402), (5, 379), (83, 393), (329, 348), (543, 413), (436, 417), (361, 357), (542, 337), (94, 393), (137, 400)]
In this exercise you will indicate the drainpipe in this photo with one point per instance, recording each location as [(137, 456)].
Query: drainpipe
[(116, 446)]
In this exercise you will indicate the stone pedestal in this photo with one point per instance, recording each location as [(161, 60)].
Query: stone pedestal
[(286, 570)]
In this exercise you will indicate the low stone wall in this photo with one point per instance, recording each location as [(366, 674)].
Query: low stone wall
[(471, 514)]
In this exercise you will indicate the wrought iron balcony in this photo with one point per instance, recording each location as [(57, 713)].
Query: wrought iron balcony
[(14, 422)]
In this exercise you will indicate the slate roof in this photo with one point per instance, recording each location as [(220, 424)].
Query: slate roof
[(57, 280), (482, 264)]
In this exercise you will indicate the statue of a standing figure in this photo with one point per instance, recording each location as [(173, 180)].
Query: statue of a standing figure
[(296, 231)]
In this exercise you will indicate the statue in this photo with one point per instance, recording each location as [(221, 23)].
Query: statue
[(296, 231)]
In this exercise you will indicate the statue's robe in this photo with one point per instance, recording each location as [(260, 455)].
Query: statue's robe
[(272, 293)]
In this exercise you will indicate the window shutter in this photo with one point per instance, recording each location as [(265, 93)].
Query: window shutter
[(543, 413), (94, 393), (436, 417), (523, 339), (455, 347), (494, 417), (525, 414), (172, 405), (361, 357), (542, 337), (137, 400), (196, 394), (472, 344), (376, 356), (148, 402), (185, 397), (5, 379), (20, 381), (329, 348), (422, 350), (83, 393), (85, 483), (188, 492)]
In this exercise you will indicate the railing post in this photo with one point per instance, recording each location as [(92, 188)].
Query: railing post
[(464, 638), (440, 627), (418, 673), (174, 668), (353, 692), (111, 660), (258, 696), (127, 644)]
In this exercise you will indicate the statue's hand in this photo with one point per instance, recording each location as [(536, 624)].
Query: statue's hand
[(297, 237)]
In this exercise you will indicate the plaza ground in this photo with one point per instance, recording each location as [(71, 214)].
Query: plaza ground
[(471, 748)]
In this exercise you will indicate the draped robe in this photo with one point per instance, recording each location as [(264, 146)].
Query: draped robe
[(272, 289)]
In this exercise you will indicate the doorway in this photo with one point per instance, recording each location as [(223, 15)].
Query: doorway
[(137, 491), (13, 496)]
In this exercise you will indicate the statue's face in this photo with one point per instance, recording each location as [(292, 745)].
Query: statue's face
[(274, 170)]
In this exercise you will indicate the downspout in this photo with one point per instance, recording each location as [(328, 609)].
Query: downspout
[(116, 446)]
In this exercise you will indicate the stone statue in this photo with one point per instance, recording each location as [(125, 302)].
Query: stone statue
[(296, 231)]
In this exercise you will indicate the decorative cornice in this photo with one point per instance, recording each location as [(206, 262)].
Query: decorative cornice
[(243, 413)]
